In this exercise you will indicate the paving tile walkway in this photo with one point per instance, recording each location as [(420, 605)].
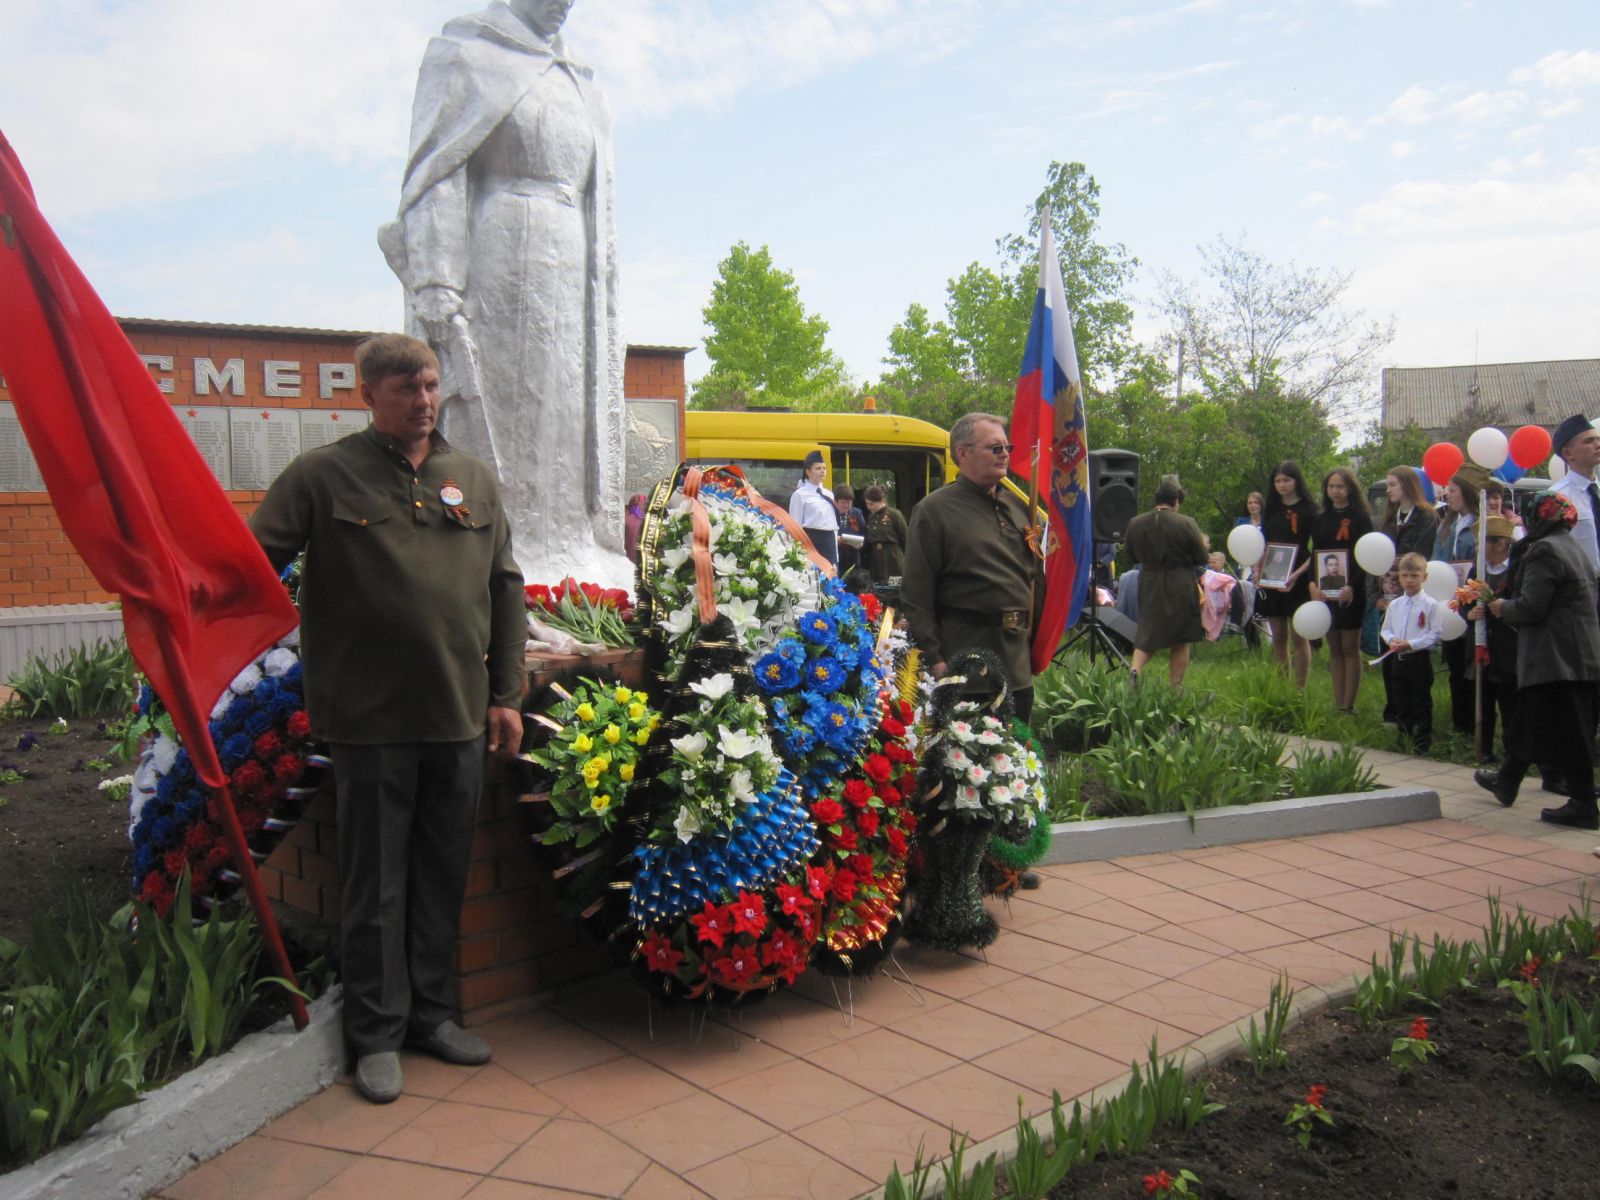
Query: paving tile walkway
[(818, 1091)]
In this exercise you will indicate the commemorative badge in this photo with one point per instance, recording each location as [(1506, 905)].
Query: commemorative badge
[(451, 494)]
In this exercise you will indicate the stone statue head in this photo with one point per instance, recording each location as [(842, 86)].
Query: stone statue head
[(545, 16)]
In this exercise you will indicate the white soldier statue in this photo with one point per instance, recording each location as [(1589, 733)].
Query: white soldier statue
[(506, 245)]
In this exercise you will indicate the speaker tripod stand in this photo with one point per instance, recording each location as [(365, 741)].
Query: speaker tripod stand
[(1092, 630)]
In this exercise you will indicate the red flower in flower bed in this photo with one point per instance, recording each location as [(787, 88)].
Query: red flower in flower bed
[(877, 768), (794, 899), (299, 725), (858, 792)]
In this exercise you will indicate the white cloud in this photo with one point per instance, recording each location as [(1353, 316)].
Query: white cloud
[(1492, 207), (1526, 133), (1483, 107), (1564, 108), (1402, 150), (1565, 69), (1316, 200), (172, 98), (1413, 106)]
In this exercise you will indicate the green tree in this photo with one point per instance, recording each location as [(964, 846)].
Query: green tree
[(1249, 319), (939, 369), (764, 348)]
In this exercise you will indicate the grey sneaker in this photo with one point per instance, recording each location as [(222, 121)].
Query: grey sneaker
[(378, 1076), (453, 1044)]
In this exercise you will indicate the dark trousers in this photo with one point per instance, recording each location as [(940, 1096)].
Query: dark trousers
[(1463, 692), (405, 814), (1409, 680), (1498, 694)]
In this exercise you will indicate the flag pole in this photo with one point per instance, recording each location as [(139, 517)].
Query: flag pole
[(1480, 634), (223, 813)]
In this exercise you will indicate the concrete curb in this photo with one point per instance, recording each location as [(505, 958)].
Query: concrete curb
[(197, 1116), (1122, 837), (1197, 1058)]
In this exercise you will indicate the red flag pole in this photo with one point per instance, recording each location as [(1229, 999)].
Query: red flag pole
[(222, 812)]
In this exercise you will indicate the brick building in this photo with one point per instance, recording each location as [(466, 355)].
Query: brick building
[(252, 396)]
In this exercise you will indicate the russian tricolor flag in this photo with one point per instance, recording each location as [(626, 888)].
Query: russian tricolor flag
[(1051, 450)]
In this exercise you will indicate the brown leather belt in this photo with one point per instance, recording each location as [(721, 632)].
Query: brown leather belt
[(1009, 619)]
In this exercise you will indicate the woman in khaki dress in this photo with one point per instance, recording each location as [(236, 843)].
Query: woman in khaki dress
[(1170, 551)]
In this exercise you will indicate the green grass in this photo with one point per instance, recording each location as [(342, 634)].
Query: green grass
[(1249, 689)]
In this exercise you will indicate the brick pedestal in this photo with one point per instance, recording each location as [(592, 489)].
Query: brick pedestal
[(514, 946)]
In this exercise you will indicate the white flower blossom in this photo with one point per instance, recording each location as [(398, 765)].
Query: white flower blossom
[(725, 564), (1001, 794), (989, 738), (691, 745), (687, 824), (968, 796), (976, 774), (743, 786), (246, 680), (737, 743), (1002, 764), (743, 614), (679, 621), (674, 557), (713, 688), (957, 759), (962, 732)]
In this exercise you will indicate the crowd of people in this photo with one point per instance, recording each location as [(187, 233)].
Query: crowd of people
[(1537, 599), (871, 540)]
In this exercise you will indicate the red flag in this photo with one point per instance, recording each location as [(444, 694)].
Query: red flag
[(199, 599)]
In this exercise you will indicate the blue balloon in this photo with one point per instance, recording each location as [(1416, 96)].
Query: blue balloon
[(1509, 472), (1427, 485)]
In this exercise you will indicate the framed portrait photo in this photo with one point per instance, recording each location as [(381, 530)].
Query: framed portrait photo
[(1333, 570), (1277, 564)]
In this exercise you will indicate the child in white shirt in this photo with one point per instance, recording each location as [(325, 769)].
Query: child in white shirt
[(1411, 630)]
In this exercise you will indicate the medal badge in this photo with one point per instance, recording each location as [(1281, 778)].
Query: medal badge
[(455, 504), (451, 494)]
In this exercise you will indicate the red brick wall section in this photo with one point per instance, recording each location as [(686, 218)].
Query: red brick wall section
[(37, 563)]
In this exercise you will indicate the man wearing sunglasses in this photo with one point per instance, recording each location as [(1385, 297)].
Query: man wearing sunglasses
[(971, 577)]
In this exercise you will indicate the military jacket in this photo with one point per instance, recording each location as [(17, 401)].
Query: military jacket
[(413, 621)]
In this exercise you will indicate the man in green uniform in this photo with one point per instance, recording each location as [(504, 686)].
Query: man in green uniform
[(971, 578), (412, 628)]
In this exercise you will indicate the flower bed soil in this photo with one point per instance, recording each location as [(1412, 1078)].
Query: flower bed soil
[(1477, 1121), (61, 838)]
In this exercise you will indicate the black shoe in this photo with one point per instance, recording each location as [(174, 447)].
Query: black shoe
[(1489, 781), (1572, 816), (1555, 785), (1030, 880)]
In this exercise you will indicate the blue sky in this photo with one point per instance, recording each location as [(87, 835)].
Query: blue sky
[(214, 160)]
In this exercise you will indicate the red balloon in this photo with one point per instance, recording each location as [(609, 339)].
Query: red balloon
[(1530, 446), (1441, 460)]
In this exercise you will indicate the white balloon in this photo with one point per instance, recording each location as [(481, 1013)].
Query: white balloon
[(1451, 624), (1312, 620), (1558, 468), (1375, 552), (1489, 448), (1441, 581), (1246, 545)]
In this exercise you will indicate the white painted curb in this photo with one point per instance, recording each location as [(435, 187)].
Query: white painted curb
[(1163, 833), (197, 1116)]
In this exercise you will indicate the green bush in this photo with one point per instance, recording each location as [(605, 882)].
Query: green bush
[(1329, 772), (91, 1014), (85, 681), (1178, 771)]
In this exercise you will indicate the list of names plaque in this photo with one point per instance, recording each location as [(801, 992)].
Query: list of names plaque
[(208, 428), (318, 428), (19, 472), (264, 442)]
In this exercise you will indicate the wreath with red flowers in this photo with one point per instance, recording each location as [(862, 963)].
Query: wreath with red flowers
[(866, 829), (742, 949)]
